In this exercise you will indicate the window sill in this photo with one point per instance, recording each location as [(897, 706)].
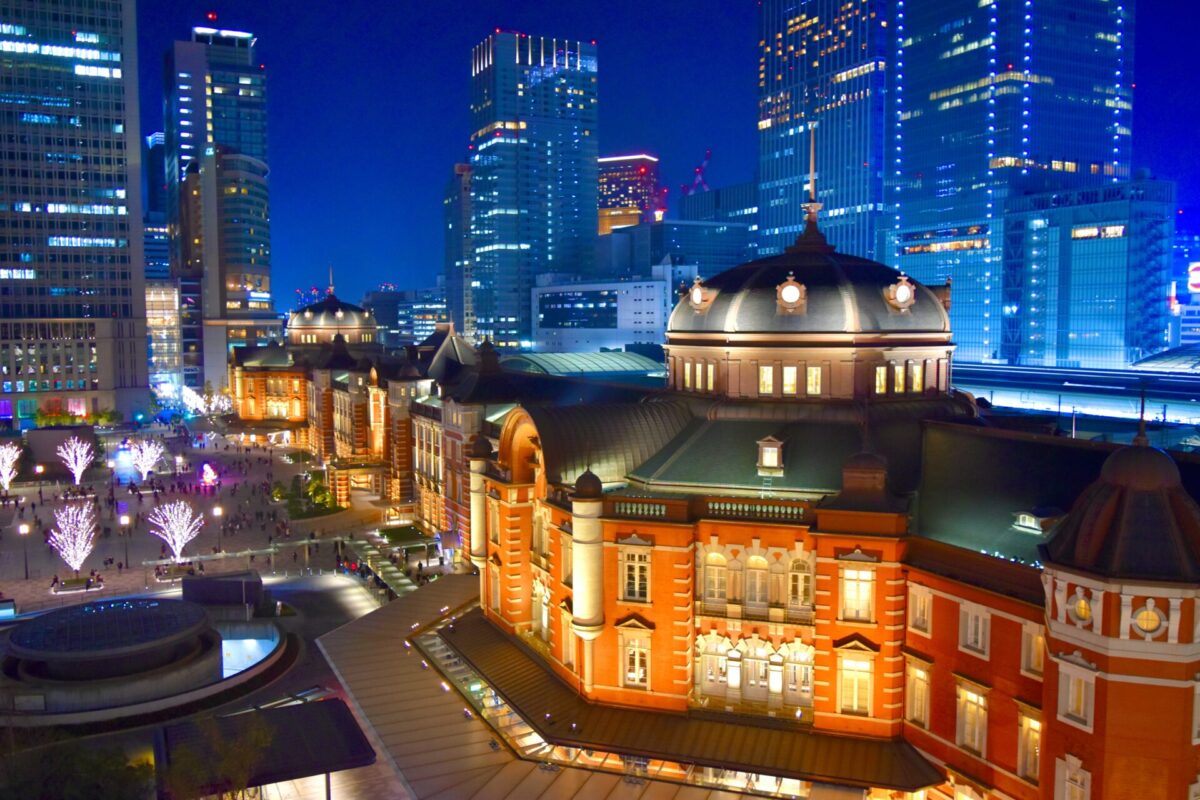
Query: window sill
[(634, 602), (983, 654)]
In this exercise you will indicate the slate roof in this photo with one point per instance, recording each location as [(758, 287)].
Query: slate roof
[(845, 294), (610, 440), (610, 363), (774, 747)]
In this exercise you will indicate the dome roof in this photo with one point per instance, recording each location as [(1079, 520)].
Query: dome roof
[(331, 313), (588, 486), (1136, 522), (840, 294)]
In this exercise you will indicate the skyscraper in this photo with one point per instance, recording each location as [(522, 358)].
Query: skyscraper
[(457, 268), (533, 174), (155, 168), (822, 64), (218, 200), (995, 100), (628, 190), (72, 314)]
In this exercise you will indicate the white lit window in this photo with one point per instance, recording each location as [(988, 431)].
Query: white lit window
[(712, 376), (766, 380), (920, 608), (972, 719), (1076, 695), (916, 694), (687, 375), (881, 374), (637, 662), (756, 581), (857, 591), (973, 624), (799, 584), (854, 685), (1029, 748), (917, 376), (812, 383), (1073, 781), (635, 574), (715, 577), (1033, 647), (770, 457), (898, 369), (789, 381), (699, 376)]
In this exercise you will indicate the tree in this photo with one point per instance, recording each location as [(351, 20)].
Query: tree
[(145, 454), (77, 455), (218, 764), (10, 454), (74, 771), (176, 524), (75, 535)]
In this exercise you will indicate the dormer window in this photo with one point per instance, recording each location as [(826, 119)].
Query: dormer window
[(770, 456)]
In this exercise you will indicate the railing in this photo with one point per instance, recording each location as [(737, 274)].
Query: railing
[(795, 615), (427, 411), (772, 510), (654, 508)]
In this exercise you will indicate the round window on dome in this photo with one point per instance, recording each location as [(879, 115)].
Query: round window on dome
[(1080, 609), (1148, 620), (697, 296), (901, 295), (790, 294)]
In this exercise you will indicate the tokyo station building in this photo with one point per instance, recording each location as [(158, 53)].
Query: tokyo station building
[(808, 567), (811, 568)]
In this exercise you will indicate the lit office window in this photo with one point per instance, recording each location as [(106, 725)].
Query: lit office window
[(789, 381), (813, 381), (766, 380), (881, 374)]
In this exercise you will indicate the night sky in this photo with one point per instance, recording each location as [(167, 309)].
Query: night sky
[(368, 109)]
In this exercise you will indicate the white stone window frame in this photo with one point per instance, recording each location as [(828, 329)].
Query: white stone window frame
[(962, 689), (1027, 720), (630, 553), (770, 449), (1069, 769), (1030, 632), (914, 715), (629, 637), (918, 594), (1067, 673), (966, 612)]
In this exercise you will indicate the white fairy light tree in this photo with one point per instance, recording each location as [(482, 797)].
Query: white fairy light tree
[(10, 454), (77, 455), (145, 454), (176, 524), (74, 537)]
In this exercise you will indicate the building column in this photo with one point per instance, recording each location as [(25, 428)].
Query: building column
[(587, 572), (479, 524)]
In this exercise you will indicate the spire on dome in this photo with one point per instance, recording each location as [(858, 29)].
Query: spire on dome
[(812, 238), (1141, 440), (330, 290)]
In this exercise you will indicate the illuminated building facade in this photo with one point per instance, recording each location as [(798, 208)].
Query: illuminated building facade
[(823, 66), (1086, 276), (533, 166), (994, 100), (628, 191), (218, 200), (73, 329), (406, 316), (959, 612), (711, 246), (163, 331)]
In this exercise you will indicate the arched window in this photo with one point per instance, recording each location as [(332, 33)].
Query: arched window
[(295, 406), (715, 578), (754, 671), (798, 675), (757, 591), (799, 584)]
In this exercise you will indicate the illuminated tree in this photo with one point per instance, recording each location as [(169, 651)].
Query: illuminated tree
[(176, 524), (77, 455), (74, 537), (10, 454), (145, 454)]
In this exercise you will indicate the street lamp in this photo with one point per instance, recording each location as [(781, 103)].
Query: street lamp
[(178, 463), (23, 529), (126, 535), (217, 512)]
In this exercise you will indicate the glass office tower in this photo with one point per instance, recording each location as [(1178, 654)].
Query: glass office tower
[(215, 111), (456, 203), (995, 100), (533, 174), (822, 67), (72, 310)]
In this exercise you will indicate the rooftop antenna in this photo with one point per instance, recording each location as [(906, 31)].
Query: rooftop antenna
[(1141, 440)]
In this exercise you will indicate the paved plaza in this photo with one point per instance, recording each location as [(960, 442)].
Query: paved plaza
[(240, 519)]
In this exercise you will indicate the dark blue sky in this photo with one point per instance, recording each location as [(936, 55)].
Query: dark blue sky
[(368, 108)]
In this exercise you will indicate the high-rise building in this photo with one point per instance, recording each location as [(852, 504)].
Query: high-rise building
[(533, 165), (628, 191), (154, 167), (994, 100), (406, 316), (156, 246), (1086, 275), (72, 313), (218, 200), (823, 68), (712, 247), (163, 332), (457, 269)]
